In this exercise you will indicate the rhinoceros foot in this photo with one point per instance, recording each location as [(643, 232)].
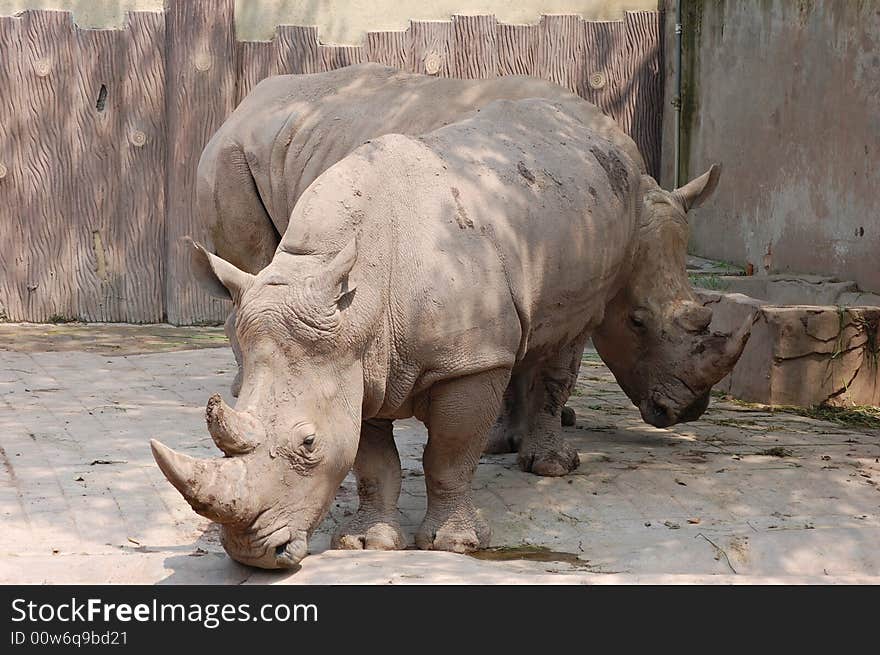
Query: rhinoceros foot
[(364, 533), (548, 454), (456, 534), (378, 536)]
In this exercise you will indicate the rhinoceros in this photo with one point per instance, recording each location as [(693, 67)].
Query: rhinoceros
[(421, 276), (291, 128)]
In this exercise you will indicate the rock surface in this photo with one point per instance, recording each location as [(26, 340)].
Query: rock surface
[(802, 354)]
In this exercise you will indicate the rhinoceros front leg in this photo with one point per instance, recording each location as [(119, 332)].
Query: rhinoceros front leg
[(544, 451), (459, 415), (375, 526)]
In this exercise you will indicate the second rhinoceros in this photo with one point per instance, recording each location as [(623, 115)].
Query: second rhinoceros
[(420, 276)]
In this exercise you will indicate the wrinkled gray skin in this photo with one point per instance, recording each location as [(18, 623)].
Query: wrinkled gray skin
[(291, 128), (419, 276)]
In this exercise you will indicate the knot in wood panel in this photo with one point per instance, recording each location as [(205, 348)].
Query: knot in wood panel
[(598, 80), (42, 67), (432, 63), (203, 61)]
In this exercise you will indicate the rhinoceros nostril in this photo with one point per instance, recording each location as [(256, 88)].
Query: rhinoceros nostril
[(289, 554), (658, 414)]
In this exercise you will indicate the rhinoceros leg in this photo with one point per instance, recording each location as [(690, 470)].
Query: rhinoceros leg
[(458, 417), (544, 451), (377, 467), (506, 434), (507, 431)]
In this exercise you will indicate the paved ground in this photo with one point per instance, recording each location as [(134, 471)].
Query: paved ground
[(742, 495)]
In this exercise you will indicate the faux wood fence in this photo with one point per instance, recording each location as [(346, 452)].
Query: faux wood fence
[(101, 132)]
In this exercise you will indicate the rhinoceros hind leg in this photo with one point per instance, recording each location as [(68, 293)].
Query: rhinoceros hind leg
[(569, 418), (375, 525), (459, 416)]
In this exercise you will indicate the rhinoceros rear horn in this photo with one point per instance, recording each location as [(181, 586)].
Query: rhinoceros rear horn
[(218, 277), (234, 432), (214, 488)]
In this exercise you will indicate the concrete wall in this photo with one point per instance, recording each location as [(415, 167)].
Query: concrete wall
[(787, 96), (342, 21)]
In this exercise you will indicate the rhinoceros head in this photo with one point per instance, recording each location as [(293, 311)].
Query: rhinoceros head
[(293, 433), (655, 335)]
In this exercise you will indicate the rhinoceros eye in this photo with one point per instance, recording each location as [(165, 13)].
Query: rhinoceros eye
[(309, 441), (276, 281), (637, 319)]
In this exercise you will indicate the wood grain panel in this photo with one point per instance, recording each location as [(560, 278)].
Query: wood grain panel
[(431, 48), (644, 114), (142, 159), (257, 60), (201, 93), (389, 48), (297, 49), (475, 49), (93, 128), (517, 49), (561, 50), (339, 56), (14, 253), (48, 48), (604, 80)]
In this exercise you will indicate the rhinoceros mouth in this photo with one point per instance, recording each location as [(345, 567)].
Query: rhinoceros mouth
[(661, 412), (290, 554), (282, 549)]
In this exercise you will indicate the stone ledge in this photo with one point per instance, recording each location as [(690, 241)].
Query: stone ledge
[(801, 354)]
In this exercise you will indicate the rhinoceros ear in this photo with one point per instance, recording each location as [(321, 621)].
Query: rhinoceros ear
[(339, 268), (698, 190), (217, 276)]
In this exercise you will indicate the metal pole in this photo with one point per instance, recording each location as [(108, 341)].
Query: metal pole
[(676, 102)]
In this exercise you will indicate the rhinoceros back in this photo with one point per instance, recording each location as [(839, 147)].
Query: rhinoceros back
[(291, 128)]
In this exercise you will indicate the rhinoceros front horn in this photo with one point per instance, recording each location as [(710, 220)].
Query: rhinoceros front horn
[(234, 432), (214, 488), (721, 351)]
